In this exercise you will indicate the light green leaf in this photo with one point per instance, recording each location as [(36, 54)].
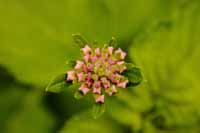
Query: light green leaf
[(169, 59), (31, 116), (58, 84), (80, 40), (98, 110), (82, 122), (48, 34)]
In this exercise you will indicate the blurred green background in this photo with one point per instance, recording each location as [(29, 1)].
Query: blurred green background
[(161, 36)]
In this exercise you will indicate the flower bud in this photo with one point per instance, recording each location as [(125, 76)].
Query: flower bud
[(122, 84), (99, 99), (122, 53), (79, 65), (86, 49), (84, 89), (71, 75)]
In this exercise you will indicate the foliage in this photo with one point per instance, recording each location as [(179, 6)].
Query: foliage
[(160, 36)]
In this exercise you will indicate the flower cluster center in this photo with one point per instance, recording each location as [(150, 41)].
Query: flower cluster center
[(99, 71)]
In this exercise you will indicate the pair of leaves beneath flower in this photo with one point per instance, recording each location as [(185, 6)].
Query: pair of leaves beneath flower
[(81, 41), (59, 84)]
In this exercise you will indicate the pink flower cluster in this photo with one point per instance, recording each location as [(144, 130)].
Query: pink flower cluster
[(99, 71)]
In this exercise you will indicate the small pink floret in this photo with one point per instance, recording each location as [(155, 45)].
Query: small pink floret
[(80, 77), (85, 69), (90, 67), (120, 62), (97, 84), (86, 57), (86, 49), (105, 82), (110, 50), (79, 65), (100, 99), (123, 84), (84, 89), (113, 91), (70, 75), (111, 61), (97, 51), (122, 53), (94, 58), (97, 90)]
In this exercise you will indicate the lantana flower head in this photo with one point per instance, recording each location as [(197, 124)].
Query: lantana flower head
[(100, 71)]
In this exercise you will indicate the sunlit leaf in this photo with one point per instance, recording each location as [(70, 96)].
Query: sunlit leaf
[(82, 122), (32, 116)]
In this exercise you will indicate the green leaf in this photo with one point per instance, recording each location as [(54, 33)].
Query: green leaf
[(130, 65), (113, 42), (71, 63), (78, 95), (169, 59), (134, 76), (98, 110), (58, 84), (82, 122), (32, 116), (80, 40), (47, 33)]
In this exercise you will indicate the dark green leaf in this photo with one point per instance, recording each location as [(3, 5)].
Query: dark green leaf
[(80, 40), (78, 95), (58, 84), (134, 76), (98, 110), (113, 42)]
